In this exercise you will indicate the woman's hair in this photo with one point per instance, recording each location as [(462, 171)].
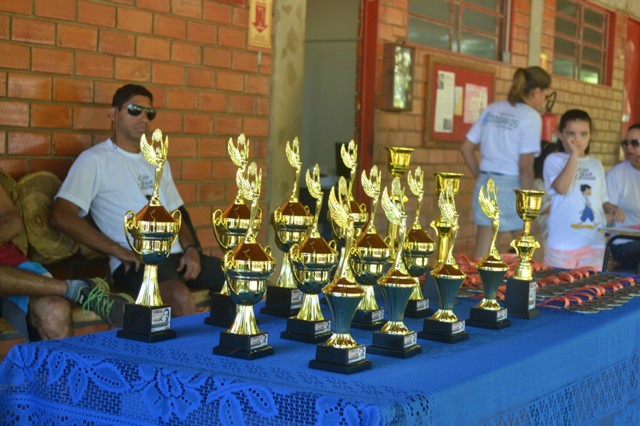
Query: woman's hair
[(574, 115), (525, 80), (538, 162)]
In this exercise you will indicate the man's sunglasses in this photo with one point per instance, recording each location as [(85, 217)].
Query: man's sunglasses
[(135, 111), (633, 142)]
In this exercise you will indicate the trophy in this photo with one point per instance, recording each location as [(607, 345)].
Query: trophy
[(150, 233), (229, 228), (395, 339), (340, 353), (444, 325), (369, 259), (247, 268), (488, 313), (521, 289), (398, 163), (418, 247), (349, 155), (312, 261), (291, 221)]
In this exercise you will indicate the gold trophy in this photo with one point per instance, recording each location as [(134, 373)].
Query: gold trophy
[(291, 221), (488, 313), (349, 155), (395, 339), (340, 353), (369, 259), (444, 325), (247, 268), (229, 228), (521, 288), (150, 233), (418, 247), (398, 160), (313, 262)]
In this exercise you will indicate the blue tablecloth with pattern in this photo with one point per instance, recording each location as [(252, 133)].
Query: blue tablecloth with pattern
[(560, 368)]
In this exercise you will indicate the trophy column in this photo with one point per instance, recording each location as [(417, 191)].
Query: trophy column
[(488, 313), (444, 325), (520, 298), (151, 232)]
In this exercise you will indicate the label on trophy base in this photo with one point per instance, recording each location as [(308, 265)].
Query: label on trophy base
[(532, 294), (422, 304), (377, 315), (296, 298), (356, 354), (322, 327), (258, 341), (502, 315), (160, 319), (457, 327), (410, 340)]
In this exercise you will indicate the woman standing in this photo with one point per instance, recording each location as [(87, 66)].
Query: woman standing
[(508, 133)]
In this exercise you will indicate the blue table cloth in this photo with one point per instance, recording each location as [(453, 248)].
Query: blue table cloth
[(559, 368)]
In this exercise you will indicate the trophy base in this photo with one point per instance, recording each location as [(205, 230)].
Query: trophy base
[(223, 311), (307, 331), (368, 320), (484, 318), (243, 346), (394, 345), (418, 309), (447, 332), (282, 302), (344, 361), (148, 324), (520, 298)]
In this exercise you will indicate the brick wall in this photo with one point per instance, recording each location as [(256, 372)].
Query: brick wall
[(604, 104), (61, 61)]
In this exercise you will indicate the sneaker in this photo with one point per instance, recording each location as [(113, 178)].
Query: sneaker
[(109, 307)]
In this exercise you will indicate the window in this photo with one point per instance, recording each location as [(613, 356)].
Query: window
[(472, 27), (580, 41)]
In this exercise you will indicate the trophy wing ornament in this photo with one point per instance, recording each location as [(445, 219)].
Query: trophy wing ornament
[(489, 204), (371, 186), (293, 156), (315, 189), (338, 212), (156, 154), (239, 153), (392, 211)]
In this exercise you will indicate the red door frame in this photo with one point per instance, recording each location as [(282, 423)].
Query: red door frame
[(631, 99)]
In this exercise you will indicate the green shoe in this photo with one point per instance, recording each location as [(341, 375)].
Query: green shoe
[(109, 307)]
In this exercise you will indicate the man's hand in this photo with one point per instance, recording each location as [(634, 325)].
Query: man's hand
[(127, 257), (190, 264)]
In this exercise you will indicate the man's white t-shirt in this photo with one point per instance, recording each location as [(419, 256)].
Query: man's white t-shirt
[(107, 182), (504, 132), (576, 215), (623, 184)]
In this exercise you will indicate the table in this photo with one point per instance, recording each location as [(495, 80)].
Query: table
[(559, 368), (618, 234)]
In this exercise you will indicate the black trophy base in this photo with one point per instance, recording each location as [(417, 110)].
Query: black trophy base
[(344, 361), (418, 309), (223, 311), (397, 346), (484, 318), (243, 346), (368, 320), (282, 302), (148, 324), (520, 298), (446, 332), (307, 331)]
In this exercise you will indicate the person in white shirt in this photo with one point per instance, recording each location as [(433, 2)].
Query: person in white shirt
[(623, 184), (508, 134)]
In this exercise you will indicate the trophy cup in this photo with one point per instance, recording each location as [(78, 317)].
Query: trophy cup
[(369, 260), (229, 228), (247, 268), (444, 325), (520, 299), (488, 313), (150, 233), (395, 339), (312, 261), (291, 221), (418, 247), (340, 353), (398, 163)]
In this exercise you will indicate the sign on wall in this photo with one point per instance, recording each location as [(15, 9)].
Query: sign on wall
[(260, 23)]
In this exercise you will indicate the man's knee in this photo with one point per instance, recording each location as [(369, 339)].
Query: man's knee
[(50, 316), (178, 295)]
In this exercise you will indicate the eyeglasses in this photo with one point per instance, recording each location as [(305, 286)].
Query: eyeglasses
[(633, 142), (135, 110)]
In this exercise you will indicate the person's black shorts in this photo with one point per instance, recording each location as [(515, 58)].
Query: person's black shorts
[(211, 274)]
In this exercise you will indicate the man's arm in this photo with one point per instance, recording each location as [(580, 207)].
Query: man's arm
[(10, 221), (190, 260), (64, 216), (467, 149)]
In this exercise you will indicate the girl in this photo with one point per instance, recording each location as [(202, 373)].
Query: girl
[(508, 133), (579, 197)]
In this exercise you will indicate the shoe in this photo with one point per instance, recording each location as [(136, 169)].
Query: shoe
[(109, 307)]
